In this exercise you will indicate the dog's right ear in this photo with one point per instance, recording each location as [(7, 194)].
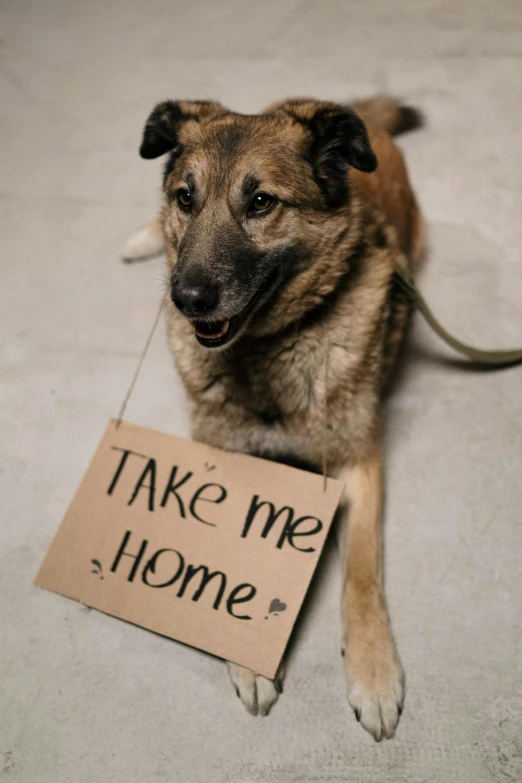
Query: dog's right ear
[(161, 132), (338, 138)]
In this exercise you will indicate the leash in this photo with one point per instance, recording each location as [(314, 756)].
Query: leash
[(493, 359), (483, 359)]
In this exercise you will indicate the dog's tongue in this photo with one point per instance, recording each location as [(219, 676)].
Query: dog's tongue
[(211, 330)]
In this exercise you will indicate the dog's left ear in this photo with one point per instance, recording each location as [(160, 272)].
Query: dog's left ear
[(340, 131), (161, 132), (339, 138)]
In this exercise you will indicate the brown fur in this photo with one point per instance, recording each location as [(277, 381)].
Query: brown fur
[(266, 393)]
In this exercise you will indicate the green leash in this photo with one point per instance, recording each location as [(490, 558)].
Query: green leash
[(485, 358)]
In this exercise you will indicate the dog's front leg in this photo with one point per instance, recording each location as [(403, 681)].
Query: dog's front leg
[(374, 674)]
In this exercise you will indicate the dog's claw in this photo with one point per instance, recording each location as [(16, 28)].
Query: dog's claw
[(375, 686)]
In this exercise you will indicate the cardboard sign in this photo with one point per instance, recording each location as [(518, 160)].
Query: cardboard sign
[(211, 548)]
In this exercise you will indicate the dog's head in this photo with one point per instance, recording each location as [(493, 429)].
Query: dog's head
[(253, 205)]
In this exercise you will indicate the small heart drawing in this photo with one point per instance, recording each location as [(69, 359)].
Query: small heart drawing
[(276, 606)]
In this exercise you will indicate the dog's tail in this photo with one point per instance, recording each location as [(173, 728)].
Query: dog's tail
[(388, 114)]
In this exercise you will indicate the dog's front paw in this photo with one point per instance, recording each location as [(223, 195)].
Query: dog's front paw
[(255, 691), (375, 682)]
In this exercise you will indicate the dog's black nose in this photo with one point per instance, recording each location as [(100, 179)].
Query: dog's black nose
[(194, 299)]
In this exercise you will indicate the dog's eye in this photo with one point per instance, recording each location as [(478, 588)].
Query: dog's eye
[(184, 199), (261, 203)]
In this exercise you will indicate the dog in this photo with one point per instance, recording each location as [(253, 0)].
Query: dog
[(283, 231)]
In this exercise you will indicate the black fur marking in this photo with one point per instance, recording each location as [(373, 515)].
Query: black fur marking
[(339, 139), (270, 416), (250, 185), (322, 310), (331, 178), (161, 130), (269, 269), (171, 162), (160, 133), (380, 238), (191, 182), (228, 140), (284, 264), (410, 118), (291, 260)]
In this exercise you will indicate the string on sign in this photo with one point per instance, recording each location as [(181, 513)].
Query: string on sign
[(325, 415), (139, 366)]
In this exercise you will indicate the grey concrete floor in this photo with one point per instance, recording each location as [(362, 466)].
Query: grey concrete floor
[(87, 698)]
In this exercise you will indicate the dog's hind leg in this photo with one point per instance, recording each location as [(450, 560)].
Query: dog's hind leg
[(257, 693), (373, 671), (147, 242)]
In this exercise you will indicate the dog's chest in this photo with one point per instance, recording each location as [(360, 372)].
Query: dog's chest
[(274, 403), (267, 406), (275, 386)]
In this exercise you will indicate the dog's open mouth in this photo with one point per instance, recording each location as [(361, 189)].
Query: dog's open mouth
[(212, 334), (215, 334)]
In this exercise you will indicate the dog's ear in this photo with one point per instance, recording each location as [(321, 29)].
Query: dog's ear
[(338, 139), (161, 132)]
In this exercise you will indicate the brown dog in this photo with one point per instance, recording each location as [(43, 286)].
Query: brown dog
[(282, 232)]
